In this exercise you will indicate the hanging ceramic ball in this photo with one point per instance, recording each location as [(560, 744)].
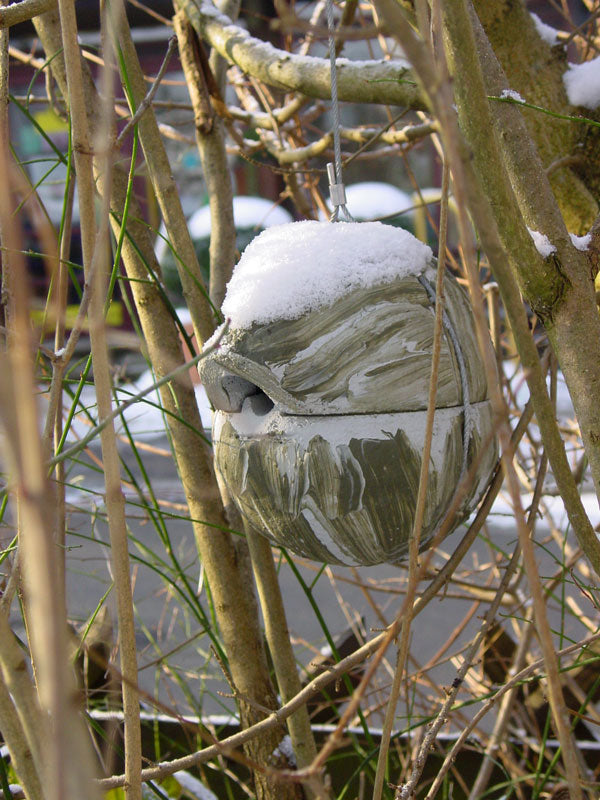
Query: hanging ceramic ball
[(320, 386)]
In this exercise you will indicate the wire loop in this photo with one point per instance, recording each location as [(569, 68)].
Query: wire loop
[(337, 191)]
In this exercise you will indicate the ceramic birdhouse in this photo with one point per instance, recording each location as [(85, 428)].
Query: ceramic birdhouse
[(320, 383)]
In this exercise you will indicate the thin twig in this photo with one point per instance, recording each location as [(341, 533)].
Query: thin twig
[(94, 247), (487, 624), (147, 101), (413, 553), (118, 410), (510, 686)]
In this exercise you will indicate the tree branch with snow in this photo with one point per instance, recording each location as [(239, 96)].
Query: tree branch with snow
[(374, 81)]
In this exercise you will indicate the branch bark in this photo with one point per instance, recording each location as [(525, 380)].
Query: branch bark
[(229, 579), (210, 139), (25, 734), (166, 191), (358, 81), (23, 11), (21, 755), (535, 69), (94, 249), (278, 638), (560, 287)]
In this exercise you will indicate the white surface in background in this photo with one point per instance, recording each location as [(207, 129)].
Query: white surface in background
[(582, 82), (564, 405), (185, 318), (542, 244), (370, 200), (502, 514), (248, 212), (144, 419), (193, 787), (291, 269), (286, 750), (547, 32)]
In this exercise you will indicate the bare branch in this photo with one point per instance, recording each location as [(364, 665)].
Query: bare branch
[(358, 81), (411, 133), (23, 11), (147, 101)]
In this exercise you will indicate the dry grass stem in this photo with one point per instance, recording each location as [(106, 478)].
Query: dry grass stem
[(413, 555), (165, 189), (94, 250)]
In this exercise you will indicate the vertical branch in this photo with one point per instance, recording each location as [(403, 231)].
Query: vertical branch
[(493, 305), (4, 137), (213, 153), (55, 731), (413, 553), (278, 639), (58, 372), (167, 195), (94, 251), (20, 754), (232, 595), (211, 146), (24, 735), (44, 605), (18, 734)]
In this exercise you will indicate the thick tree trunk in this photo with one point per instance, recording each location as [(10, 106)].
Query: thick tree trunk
[(559, 287), (535, 69)]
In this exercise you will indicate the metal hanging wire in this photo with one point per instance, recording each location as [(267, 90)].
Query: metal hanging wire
[(337, 191)]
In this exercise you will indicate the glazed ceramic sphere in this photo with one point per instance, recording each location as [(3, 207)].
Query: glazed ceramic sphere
[(320, 396)]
